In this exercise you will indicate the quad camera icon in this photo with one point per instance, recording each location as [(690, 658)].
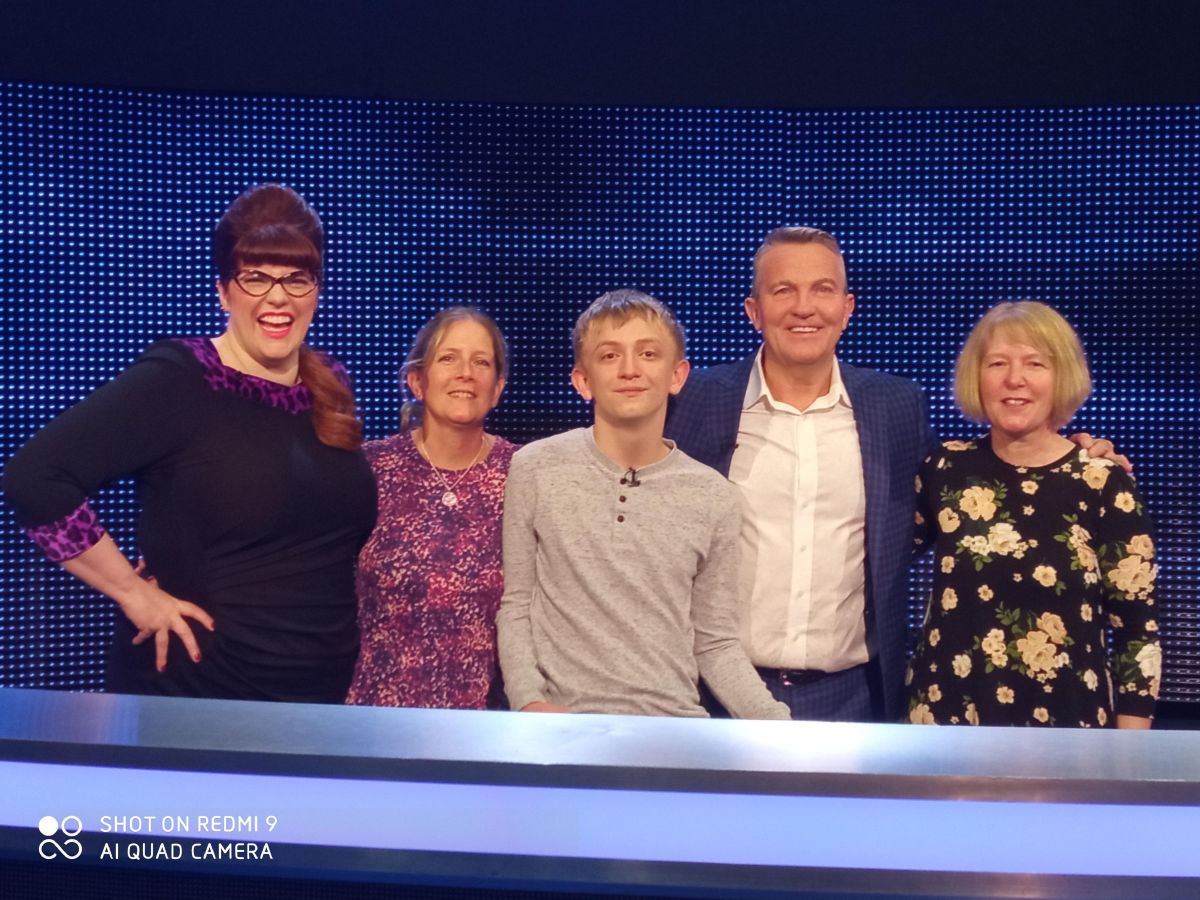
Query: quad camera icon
[(69, 848)]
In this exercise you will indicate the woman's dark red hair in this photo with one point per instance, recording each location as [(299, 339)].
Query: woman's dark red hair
[(273, 224)]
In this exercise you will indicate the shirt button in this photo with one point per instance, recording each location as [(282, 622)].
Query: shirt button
[(622, 498), (620, 518)]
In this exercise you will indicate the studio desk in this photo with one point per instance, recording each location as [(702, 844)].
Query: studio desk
[(496, 802)]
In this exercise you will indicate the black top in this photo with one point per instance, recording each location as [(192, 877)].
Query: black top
[(1033, 565), (244, 512)]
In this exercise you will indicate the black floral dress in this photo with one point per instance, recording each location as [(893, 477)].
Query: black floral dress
[(1031, 564)]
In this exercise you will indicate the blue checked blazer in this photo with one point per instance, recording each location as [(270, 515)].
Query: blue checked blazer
[(894, 436)]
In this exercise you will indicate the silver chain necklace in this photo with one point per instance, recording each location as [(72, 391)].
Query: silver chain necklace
[(449, 498)]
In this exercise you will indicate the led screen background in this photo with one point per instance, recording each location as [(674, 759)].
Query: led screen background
[(108, 198)]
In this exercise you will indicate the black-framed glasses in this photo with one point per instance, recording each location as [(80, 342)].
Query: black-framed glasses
[(258, 284)]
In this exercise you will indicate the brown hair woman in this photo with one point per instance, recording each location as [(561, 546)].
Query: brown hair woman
[(255, 497), (430, 576)]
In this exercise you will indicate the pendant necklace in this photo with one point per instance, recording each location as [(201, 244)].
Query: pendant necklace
[(449, 498)]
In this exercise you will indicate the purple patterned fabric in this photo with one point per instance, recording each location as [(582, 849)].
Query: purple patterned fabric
[(429, 581), (294, 399), (69, 536)]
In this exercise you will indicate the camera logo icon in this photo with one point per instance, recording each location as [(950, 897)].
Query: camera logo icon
[(69, 848)]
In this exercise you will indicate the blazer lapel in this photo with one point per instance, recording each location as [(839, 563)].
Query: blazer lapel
[(870, 417), (727, 411)]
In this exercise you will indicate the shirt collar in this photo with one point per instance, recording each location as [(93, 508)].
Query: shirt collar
[(758, 392)]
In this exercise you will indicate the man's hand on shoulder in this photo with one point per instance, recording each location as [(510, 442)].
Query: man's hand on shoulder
[(1099, 448)]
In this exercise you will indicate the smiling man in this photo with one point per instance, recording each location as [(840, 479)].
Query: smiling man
[(823, 455), (620, 552)]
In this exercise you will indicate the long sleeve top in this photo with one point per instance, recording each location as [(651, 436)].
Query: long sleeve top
[(1032, 565), (243, 512), (617, 596)]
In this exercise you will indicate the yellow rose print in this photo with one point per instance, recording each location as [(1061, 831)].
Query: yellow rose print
[(975, 543), (993, 642), (1095, 475), (1149, 660), (1141, 545), (1037, 651), (1053, 625), (921, 715), (1003, 539), (1046, 576), (1132, 576), (978, 503)]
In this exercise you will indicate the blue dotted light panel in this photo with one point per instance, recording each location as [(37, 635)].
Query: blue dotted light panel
[(108, 199)]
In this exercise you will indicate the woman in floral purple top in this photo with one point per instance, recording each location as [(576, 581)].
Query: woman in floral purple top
[(1038, 550), (429, 577)]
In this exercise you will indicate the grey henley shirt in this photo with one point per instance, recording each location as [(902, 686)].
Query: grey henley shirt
[(617, 597)]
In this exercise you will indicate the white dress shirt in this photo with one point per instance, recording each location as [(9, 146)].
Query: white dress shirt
[(802, 579)]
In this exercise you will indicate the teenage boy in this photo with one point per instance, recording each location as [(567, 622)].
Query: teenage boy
[(620, 552)]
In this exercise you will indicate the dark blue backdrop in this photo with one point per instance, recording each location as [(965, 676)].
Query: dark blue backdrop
[(108, 197)]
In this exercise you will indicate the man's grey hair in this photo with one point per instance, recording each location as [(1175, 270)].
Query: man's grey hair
[(794, 234)]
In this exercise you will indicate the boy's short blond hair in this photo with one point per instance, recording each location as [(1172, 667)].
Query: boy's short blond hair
[(1039, 326), (621, 306)]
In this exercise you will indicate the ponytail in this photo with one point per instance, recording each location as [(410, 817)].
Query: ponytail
[(333, 415), (410, 414)]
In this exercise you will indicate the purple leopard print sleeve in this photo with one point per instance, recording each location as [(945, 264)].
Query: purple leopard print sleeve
[(69, 536)]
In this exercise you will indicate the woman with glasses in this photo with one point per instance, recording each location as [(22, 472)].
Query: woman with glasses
[(255, 497), (429, 577)]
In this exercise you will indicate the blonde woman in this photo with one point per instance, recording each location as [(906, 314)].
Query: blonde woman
[(1038, 549)]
